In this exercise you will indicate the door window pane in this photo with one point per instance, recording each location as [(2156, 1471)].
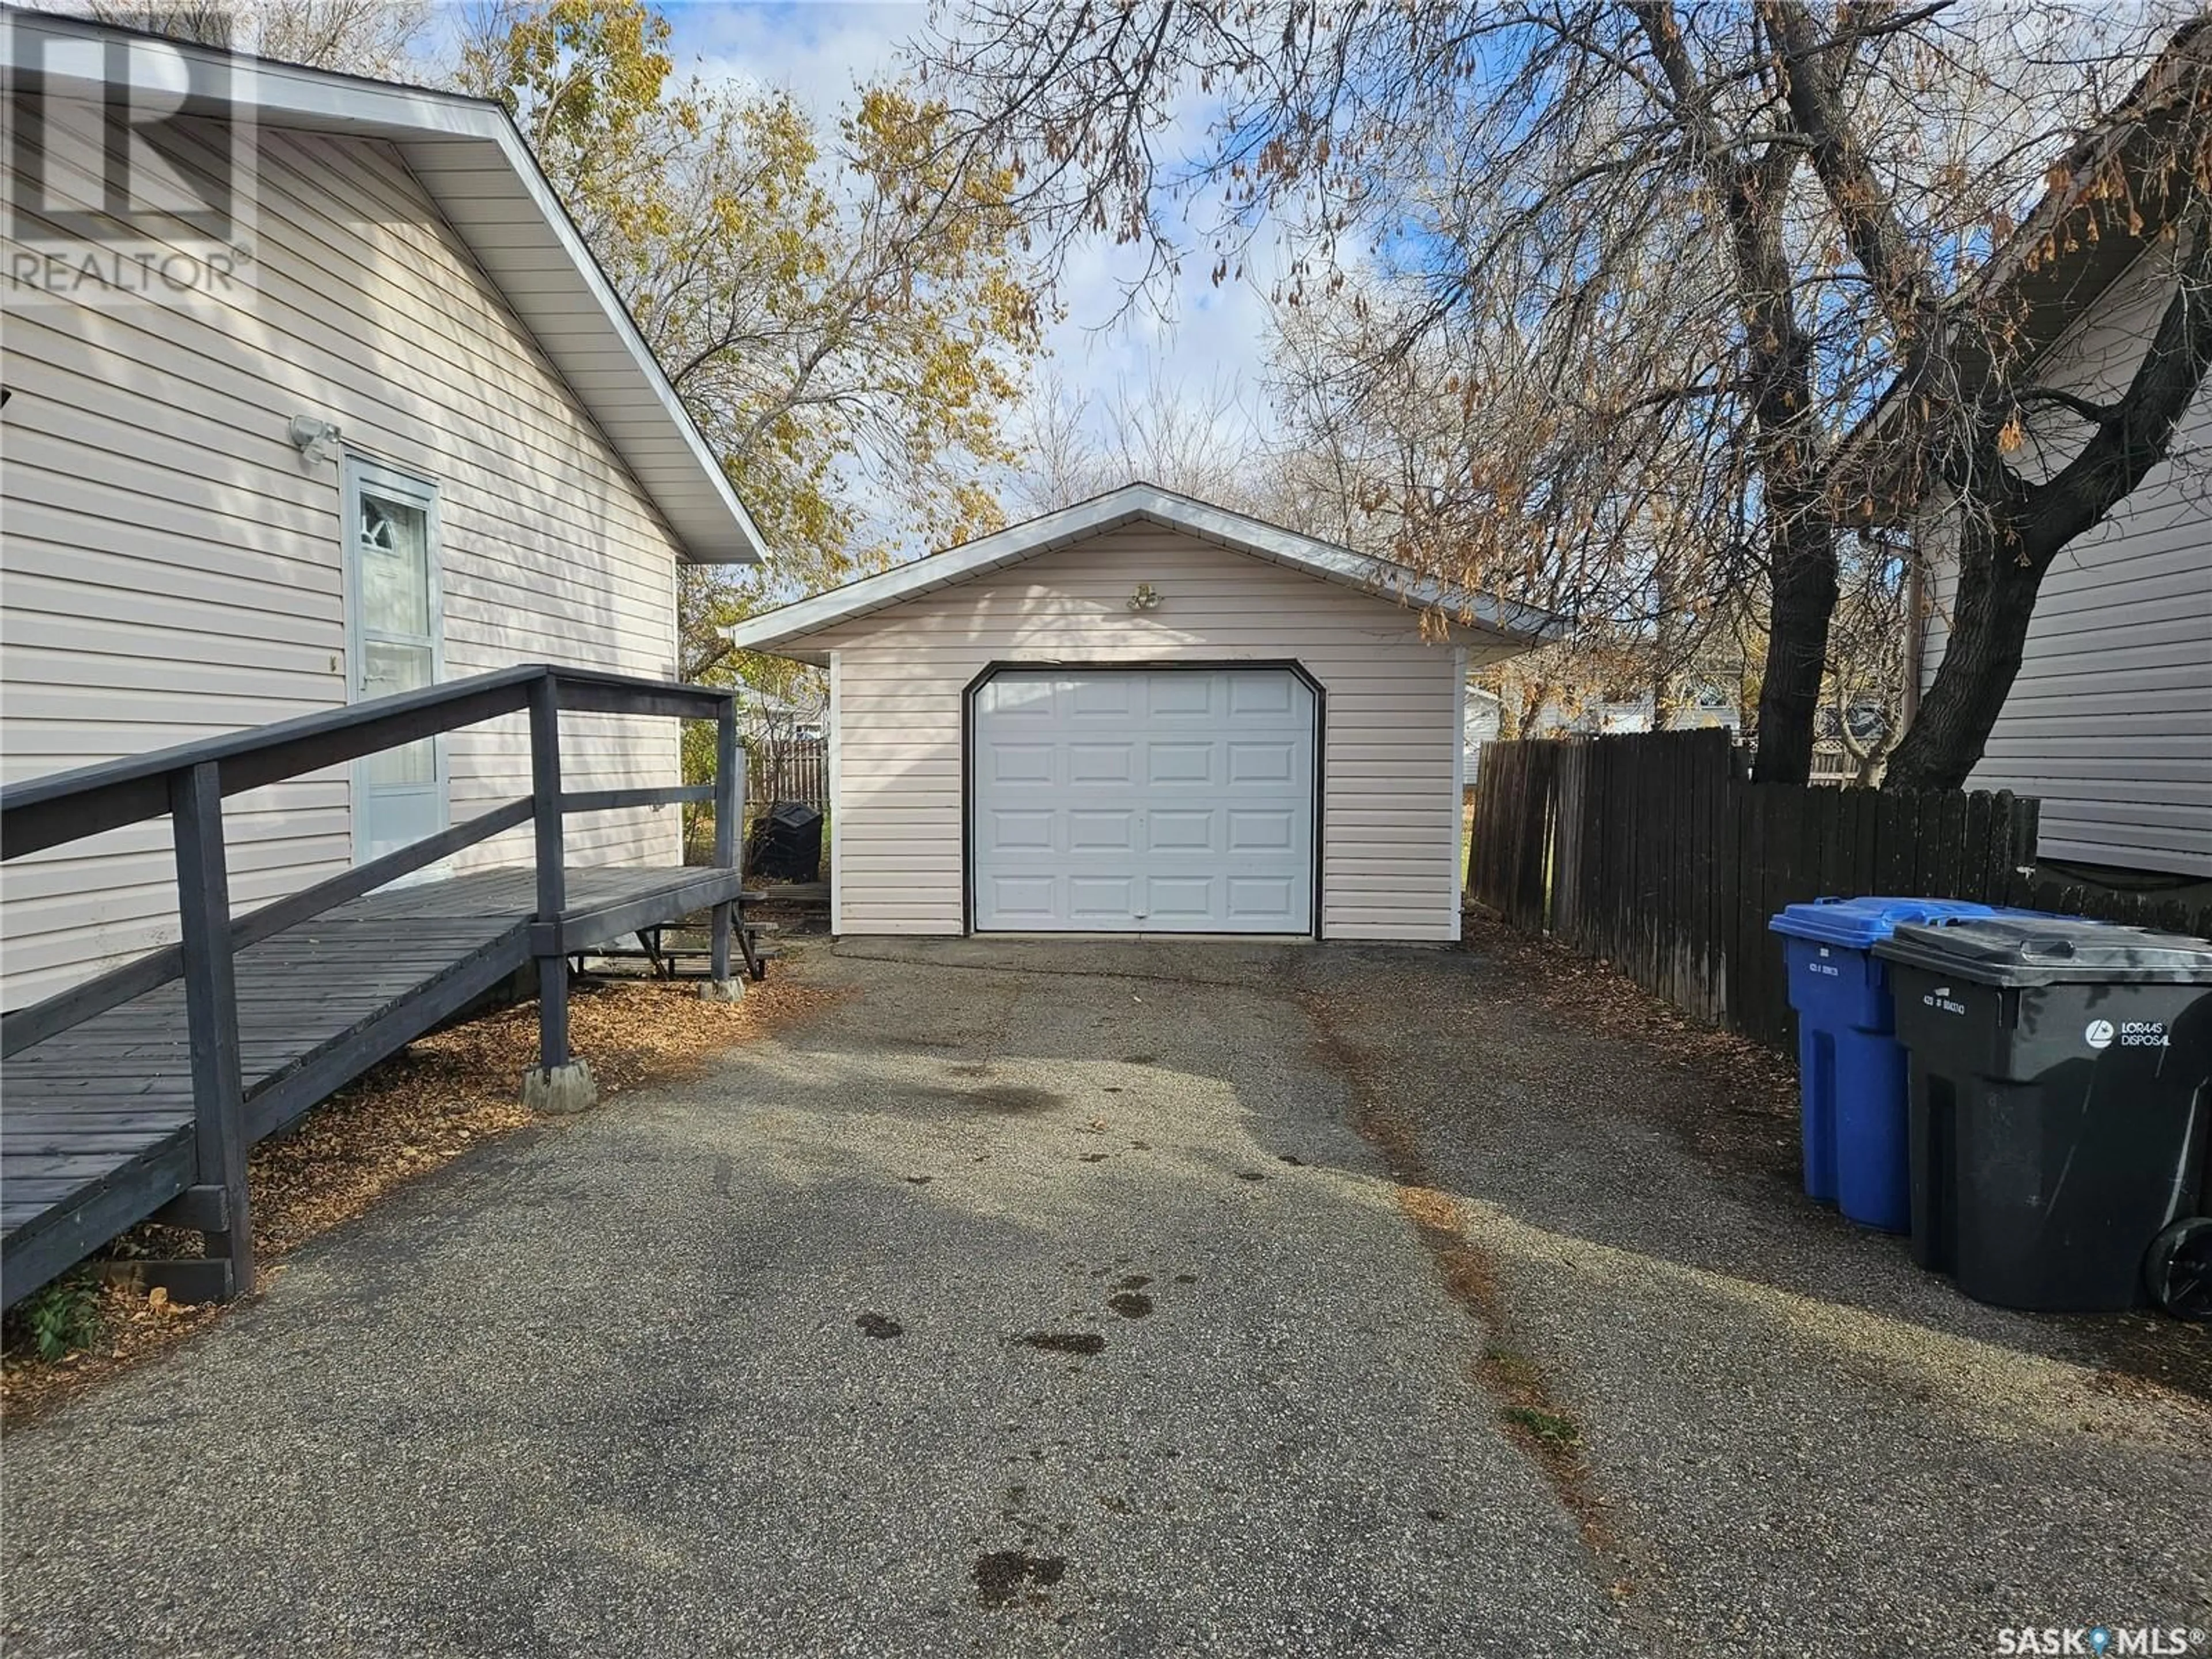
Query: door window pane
[(395, 567), (387, 668)]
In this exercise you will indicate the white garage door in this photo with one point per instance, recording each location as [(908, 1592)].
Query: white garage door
[(1168, 800)]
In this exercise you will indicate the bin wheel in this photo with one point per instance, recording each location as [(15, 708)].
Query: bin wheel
[(2178, 1271)]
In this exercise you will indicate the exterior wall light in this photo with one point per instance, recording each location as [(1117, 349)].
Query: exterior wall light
[(316, 439), (1147, 598)]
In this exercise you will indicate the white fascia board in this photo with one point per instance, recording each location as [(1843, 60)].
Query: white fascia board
[(1499, 622), (433, 130)]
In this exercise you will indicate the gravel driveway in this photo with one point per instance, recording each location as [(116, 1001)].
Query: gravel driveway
[(1126, 1299)]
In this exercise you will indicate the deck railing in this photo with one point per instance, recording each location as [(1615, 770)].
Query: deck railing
[(187, 784)]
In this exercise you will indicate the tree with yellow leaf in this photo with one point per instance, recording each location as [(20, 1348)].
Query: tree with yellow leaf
[(845, 314)]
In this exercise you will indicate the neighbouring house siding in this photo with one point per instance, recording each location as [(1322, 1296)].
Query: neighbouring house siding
[(2110, 721), (1390, 811), (171, 566)]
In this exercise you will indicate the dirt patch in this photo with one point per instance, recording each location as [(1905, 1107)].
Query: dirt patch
[(1083, 1342), (1000, 1576), (1528, 1409), (1011, 1099), (1130, 1304), (436, 1099), (1739, 1114), (1742, 1115), (880, 1325)]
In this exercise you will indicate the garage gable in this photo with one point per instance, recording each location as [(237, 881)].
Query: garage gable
[(1490, 626)]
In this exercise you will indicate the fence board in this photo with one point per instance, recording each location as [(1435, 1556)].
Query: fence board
[(795, 771), (1655, 853)]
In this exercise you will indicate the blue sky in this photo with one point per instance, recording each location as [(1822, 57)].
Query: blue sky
[(821, 50)]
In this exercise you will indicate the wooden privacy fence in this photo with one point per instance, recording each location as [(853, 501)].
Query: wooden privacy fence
[(797, 771), (1655, 852)]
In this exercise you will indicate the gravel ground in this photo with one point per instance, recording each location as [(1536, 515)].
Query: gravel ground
[(745, 1366)]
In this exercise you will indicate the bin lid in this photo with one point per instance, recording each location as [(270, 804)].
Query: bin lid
[(2013, 949), (1860, 921)]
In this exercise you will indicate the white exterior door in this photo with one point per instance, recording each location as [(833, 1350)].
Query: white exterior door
[(1144, 800), (393, 634)]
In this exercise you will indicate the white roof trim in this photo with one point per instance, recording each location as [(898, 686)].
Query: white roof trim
[(1501, 622), (468, 154)]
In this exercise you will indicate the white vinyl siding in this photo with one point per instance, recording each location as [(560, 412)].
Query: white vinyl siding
[(2109, 723), (1390, 817), (172, 565)]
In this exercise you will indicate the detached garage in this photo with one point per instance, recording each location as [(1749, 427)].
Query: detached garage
[(1145, 714)]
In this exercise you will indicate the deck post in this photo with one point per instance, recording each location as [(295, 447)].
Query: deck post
[(211, 1018), (729, 814), (558, 1084)]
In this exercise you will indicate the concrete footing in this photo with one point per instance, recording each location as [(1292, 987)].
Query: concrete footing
[(732, 989), (561, 1092)]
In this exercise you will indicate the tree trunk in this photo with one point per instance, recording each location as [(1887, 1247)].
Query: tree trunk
[(2006, 548), (1796, 649), (1988, 632), (1778, 356), (1802, 544)]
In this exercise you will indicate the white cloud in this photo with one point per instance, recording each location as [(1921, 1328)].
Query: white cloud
[(818, 50)]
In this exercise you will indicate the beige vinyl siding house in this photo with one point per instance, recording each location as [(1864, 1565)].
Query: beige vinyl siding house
[(1255, 638), (173, 566), (2109, 723)]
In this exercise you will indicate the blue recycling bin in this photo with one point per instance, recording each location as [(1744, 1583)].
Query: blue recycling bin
[(1852, 1074)]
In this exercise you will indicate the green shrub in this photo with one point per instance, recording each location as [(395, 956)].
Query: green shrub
[(61, 1318)]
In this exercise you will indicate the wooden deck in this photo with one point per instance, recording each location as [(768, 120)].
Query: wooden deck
[(96, 1122)]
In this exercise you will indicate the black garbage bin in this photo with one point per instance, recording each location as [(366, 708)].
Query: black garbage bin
[(786, 844), (2059, 1101)]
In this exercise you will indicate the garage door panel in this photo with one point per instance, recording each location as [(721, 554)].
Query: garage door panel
[(1180, 830), (1108, 829), (1023, 900), (1257, 830), (1102, 763), (1103, 900), (1019, 699), (1265, 762), (1179, 763), (1194, 815), (1113, 698), (1255, 694), (1008, 830), (1171, 696), (1022, 762), (1262, 899), (1186, 900)]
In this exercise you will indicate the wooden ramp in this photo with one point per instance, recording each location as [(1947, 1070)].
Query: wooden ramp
[(96, 1122), (138, 1092)]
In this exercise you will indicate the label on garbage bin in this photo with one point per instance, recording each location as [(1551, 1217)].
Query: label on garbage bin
[(1941, 997), (2129, 1034)]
